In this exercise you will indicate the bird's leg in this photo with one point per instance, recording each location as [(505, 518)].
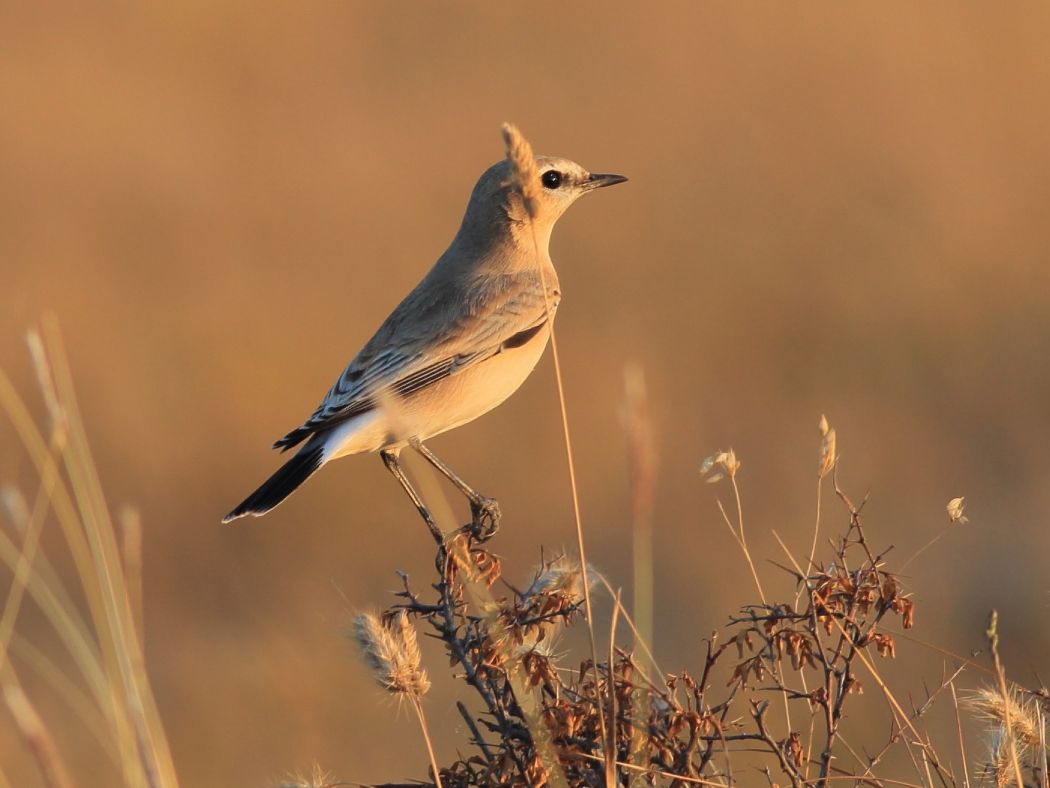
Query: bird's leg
[(394, 466), (485, 512)]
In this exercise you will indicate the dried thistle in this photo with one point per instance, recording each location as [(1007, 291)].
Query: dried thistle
[(828, 457), (726, 460), (392, 652), (955, 511), (523, 165)]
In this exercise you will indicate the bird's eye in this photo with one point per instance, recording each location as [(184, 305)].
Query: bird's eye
[(551, 179)]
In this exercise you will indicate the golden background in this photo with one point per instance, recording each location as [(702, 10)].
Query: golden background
[(833, 208)]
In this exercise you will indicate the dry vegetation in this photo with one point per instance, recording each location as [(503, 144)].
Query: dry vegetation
[(767, 701), (795, 665)]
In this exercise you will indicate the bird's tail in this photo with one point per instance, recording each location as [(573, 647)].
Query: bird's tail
[(282, 484)]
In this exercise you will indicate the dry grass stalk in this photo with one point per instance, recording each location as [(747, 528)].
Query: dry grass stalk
[(523, 164), (1009, 724), (131, 553), (641, 454), (105, 647), (35, 734), (729, 466)]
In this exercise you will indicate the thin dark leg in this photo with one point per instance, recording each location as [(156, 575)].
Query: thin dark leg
[(485, 512), (391, 462)]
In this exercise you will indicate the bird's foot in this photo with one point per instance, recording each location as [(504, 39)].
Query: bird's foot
[(485, 513)]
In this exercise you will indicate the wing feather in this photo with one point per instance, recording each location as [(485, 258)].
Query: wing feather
[(434, 333)]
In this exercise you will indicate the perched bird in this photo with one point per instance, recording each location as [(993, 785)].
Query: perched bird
[(456, 347)]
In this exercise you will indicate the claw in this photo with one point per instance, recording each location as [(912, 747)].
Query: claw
[(486, 515)]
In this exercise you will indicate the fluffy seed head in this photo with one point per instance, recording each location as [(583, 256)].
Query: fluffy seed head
[(562, 577), (392, 652), (523, 164)]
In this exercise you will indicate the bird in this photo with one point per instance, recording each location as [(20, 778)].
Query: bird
[(458, 345)]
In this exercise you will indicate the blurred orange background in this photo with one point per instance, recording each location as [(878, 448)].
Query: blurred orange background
[(833, 208)]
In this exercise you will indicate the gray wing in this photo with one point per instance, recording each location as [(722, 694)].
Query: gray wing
[(440, 329)]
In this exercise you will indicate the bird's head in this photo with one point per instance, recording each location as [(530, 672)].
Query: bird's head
[(497, 207)]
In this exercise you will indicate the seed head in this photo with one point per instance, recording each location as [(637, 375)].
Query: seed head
[(1010, 722), (828, 457), (523, 164), (955, 511), (561, 577), (317, 778), (392, 652), (990, 707), (726, 460)]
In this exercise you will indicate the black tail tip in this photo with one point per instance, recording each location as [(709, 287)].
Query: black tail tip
[(236, 514), (279, 486)]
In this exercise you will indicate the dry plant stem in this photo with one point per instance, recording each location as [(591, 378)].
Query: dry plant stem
[(743, 546), (62, 613), (66, 687), (873, 761), (121, 641), (537, 727), (610, 744), (816, 532), (959, 731), (447, 559), (1044, 778), (638, 639), (742, 539), (520, 154), (891, 699), (677, 778), (940, 535), (480, 742), (37, 737), (417, 704), (758, 711), (32, 530), (993, 640), (131, 552), (642, 461)]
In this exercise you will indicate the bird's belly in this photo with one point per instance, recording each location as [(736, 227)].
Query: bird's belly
[(460, 398)]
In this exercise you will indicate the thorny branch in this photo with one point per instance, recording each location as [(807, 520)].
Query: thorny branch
[(690, 729)]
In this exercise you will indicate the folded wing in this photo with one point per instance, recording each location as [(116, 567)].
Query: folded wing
[(433, 334)]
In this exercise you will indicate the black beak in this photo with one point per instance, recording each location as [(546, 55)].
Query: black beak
[(597, 180)]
